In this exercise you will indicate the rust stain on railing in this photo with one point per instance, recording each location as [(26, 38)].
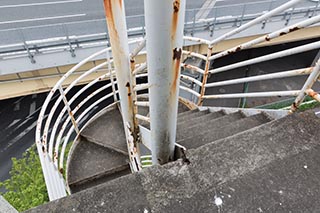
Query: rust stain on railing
[(175, 17), (313, 94), (110, 18), (205, 76), (177, 52)]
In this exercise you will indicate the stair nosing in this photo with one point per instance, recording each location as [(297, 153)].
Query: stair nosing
[(97, 142), (99, 175)]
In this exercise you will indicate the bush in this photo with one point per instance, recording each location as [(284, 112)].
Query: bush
[(26, 187)]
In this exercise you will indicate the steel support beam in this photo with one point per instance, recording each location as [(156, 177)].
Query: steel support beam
[(164, 26), (115, 15)]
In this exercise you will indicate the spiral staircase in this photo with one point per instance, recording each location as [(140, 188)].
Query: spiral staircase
[(221, 156)]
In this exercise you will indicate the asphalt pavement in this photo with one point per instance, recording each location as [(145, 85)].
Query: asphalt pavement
[(26, 13), (25, 20)]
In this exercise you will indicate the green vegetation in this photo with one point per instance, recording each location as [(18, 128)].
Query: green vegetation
[(26, 187), (308, 103), (146, 161)]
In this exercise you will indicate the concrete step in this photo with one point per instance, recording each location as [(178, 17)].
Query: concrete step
[(106, 132), (207, 124), (91, 164), (222, 131), (187, 113), (194, 114), (189, 123), (182, 110)]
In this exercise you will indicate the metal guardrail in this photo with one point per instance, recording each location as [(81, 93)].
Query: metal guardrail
[(31, 41), (60, 122)]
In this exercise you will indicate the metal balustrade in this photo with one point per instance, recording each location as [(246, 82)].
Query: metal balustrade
[(62, 118)]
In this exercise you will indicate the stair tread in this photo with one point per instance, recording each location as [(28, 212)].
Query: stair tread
[(189, 123), (107, 133), (94, 160), (194, 114), (209, 124), (182, 114), (223, 131)]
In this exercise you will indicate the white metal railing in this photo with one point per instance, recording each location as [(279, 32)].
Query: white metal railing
[(61, 119)]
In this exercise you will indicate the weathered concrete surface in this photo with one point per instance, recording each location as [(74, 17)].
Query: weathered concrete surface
[(221, 130), (90, 161), (5, 207), (270, 168), (194, 114), (106, 132), (207, 125), (188, 123)]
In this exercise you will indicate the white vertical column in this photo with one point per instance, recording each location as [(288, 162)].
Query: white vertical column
[(164, 26), (116, 21)]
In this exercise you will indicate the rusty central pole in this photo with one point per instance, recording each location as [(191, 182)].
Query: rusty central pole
[(164, 27), (116, 21)]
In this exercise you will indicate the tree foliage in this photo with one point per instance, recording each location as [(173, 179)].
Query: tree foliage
[(26, 187)]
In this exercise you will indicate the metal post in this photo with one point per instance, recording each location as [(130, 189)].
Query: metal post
[(65, 101), (194, 22), (288, 19), (315, 9), (307, 87), (164, 24), (243, 13), (214, 22), (69, 41), (30, 55), (111, 77), (205, 76), (116, 21)]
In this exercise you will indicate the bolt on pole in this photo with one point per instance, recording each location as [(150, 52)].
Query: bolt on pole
[(116, 21), (164, 26)]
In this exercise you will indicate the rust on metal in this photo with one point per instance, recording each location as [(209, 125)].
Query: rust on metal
[(238, 48), (307, 70), (294, 29), (110, 18), (190, 105), (312, 93), (43, 149), (176, 7), (120, 3), (61, 171), (132, 64), (205, 77), (267, 38), (55, 156), (283, 33), (177, 52)]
